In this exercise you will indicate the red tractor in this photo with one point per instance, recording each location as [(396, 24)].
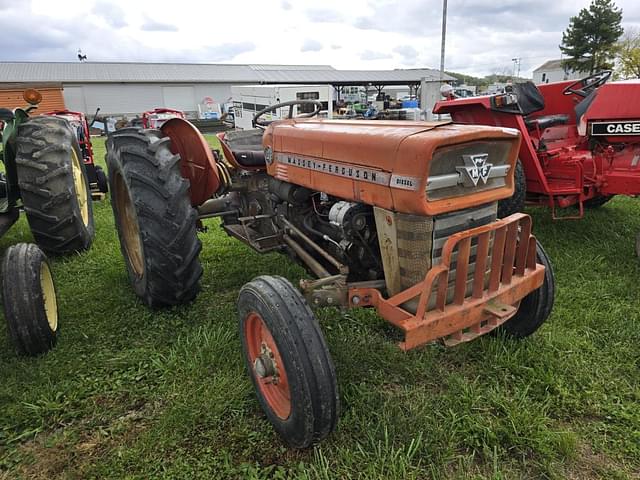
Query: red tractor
[(580, 139), (158, 116), (368, 208), (80, 127)]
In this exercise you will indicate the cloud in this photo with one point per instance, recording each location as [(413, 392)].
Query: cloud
[(324, 15), (371, 55), (110, 13), (311, 45), (151, 25), (228, 51), (336, 47), (407, 52), (286, 5)]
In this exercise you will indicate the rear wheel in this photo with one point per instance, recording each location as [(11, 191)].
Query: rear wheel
[(596, 202), (288, 361), (536, 307), (154, 218), (54, 186), (515, 203), (29, 299)]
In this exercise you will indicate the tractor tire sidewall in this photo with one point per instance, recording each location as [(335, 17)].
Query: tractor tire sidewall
[(23, 300), (47, 187), (536, 307), (162, 210), (306, 358), (515, 203), (102, 180), (597, 202)]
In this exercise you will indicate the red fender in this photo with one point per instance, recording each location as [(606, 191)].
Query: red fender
[(196, 160)]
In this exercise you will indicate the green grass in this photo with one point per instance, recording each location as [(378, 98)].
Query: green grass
[(134, 393)]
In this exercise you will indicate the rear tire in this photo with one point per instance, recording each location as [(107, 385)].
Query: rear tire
[(154, 218), (288, 361), (29, 299), (597, 202), (102, 180), (53, 184), (536, 307), (515, 203)]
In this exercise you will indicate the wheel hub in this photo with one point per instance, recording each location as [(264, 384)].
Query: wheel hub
[(265, 365)]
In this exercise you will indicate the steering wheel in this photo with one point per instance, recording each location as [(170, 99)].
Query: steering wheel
[(588, 84), (259, 123)]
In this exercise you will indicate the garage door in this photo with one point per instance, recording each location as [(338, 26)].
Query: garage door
[(180, 98)]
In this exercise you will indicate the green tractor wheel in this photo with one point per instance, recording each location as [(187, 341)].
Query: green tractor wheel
[(53, 185)]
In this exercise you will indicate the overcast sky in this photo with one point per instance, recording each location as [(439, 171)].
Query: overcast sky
[(483, 35)]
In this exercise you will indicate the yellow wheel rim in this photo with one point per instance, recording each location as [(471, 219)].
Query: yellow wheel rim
[(80, 187), (129, 230), (49, 296)]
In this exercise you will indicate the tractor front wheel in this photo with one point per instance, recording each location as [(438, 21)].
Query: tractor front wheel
[(154, 218), (515, 203), (53, 185), (29, 299), (288, 361), (536, 307)]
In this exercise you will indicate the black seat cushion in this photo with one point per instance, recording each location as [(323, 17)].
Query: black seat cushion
[(249, 158), (246, 146), (546, 122), (529, 98)]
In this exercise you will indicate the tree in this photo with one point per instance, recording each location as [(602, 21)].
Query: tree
[(590, 40), (629, 54)]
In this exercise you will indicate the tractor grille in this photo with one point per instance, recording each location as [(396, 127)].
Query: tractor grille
[(417, 236), (447, 172)]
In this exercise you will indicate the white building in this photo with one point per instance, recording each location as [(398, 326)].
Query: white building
[(554, 71), (131, 88)]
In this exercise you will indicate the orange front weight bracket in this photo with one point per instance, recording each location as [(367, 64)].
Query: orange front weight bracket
[(445, 310)]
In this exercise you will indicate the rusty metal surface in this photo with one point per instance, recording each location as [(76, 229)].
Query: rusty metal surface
[(506, 245), (196, 160), (384, 164)]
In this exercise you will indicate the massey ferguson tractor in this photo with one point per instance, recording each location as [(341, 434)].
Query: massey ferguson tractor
[(396, 216), (580, 139), (45, 178)]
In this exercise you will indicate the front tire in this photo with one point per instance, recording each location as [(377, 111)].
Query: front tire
[(53, 184), (536, 307), (515, 203), (288, 361), (29, 299), (155, 221)]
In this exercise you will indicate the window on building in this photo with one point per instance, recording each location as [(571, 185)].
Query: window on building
[(544, 77)]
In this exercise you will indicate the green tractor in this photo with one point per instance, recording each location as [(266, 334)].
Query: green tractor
[(44, 177)]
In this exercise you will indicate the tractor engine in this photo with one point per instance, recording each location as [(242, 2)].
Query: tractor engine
[(366, 202)]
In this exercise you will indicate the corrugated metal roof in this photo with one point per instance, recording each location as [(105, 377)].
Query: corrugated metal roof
[(94, 72)]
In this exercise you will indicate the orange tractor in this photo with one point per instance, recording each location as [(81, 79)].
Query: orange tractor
[(397, 216)]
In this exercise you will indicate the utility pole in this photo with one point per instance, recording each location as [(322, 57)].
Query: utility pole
[(516, 64), (444, 38)]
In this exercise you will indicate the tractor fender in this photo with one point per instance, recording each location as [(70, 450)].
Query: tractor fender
[(196, 159)]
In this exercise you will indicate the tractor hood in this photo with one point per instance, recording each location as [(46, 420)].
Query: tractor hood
[(615, 112), (424, 168)]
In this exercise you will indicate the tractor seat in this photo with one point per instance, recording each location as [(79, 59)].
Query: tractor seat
[(547, 121), (249, 158), (246, 146)]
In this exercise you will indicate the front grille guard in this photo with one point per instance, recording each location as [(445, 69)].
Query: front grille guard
[(506, 271)]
